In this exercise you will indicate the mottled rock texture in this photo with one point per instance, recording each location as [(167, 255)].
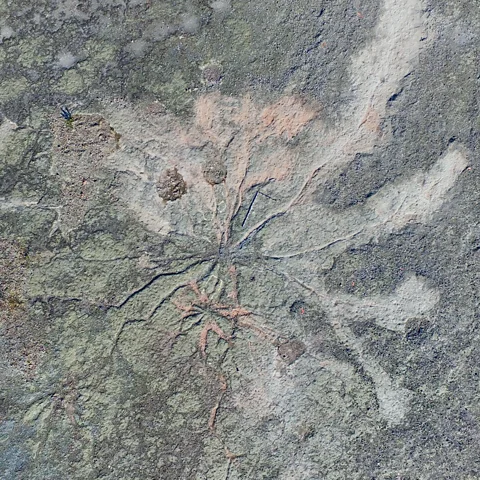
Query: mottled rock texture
[(252, 252)]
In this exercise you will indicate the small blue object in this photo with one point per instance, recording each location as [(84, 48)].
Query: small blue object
[(66, 114)]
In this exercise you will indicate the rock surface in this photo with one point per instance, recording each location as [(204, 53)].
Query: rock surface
[(306, 307)]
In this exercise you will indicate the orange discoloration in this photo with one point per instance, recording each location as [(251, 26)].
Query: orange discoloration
[(211, 326), (287, 117)]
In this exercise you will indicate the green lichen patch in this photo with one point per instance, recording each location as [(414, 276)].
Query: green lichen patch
[(12, 274), (81, 148), (25, 343)]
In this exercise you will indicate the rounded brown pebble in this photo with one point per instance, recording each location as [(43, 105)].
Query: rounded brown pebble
[(171, 185), (214, 171), (290, 351)]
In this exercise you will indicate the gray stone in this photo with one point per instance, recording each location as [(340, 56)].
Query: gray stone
[(251, 252)]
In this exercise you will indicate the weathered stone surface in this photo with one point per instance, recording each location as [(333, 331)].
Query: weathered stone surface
[(299, 300)]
